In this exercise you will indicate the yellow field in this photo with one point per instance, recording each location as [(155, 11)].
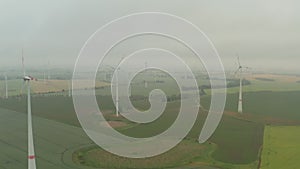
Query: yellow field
[(56, 85), (281, 148)]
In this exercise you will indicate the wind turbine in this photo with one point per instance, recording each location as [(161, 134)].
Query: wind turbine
[(240, 72), (44, 77), (114, 85), (48, 71), (31, 154), (6, 86)]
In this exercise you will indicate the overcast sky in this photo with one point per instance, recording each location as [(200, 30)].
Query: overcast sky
[(266, 34)]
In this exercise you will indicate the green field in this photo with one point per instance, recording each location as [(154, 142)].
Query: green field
[(238, 141), (183, 154), (235, 144), (281, 147), (276, 105)]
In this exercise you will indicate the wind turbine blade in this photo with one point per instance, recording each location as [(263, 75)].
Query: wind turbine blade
[(238, 59), (22, 88), (23, 64), (248, 70), (235, 72)]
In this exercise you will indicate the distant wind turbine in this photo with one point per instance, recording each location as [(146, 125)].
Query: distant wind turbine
[(44, 77), (48, 71), (6, 86)]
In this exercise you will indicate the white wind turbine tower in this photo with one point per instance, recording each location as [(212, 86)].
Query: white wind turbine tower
[(31, 154), (117, 92), (48, 71), (240, 72), (6, 86)]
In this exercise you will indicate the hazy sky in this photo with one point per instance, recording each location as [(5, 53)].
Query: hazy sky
[(266, 34)]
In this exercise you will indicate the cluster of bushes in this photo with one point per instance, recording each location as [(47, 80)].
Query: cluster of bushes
[(264, 79), (231, 83), (236, 83)]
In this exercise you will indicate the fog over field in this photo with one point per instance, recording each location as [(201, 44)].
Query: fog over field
[(266, 34)]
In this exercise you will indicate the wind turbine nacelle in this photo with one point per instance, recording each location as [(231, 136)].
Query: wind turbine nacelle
[(28, 78)]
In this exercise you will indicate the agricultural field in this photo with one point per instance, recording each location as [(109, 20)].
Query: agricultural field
[(60, 109), (236, 144), (16, 86), (182, 155), (281, 147), (54, 142), (275, 106), (268, 82)]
